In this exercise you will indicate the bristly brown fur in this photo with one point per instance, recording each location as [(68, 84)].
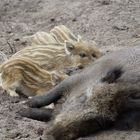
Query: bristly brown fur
[(86, 103)]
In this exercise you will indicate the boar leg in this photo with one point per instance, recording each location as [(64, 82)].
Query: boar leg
[(41, 114), (46, 99), (53, 95)]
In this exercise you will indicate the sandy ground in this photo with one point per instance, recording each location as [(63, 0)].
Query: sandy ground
[(113, 24)]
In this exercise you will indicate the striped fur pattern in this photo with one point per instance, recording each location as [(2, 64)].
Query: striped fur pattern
[(76, 51), (57, 35), (26, 77), (34, 70), (57, 56), (61, 33), (42, 38)]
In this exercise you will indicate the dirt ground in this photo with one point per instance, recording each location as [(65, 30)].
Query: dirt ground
[(113, 24)]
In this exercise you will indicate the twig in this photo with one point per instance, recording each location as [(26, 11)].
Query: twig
[(13, 50)]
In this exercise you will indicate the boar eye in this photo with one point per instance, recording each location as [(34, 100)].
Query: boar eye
[(93, 55), (82, 55)]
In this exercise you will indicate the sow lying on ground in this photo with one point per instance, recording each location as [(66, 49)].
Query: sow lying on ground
[(99, 97)]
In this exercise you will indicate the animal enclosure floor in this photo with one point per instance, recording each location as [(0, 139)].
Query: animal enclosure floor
[(113, 24)]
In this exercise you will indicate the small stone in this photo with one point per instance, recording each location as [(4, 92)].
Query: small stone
[(9, 32), (17, 39), (52, 19), (120, 28), (40, 131), (74, 19), (105, 2)]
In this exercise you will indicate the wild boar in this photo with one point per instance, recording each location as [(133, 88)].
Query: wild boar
[(100, 96)]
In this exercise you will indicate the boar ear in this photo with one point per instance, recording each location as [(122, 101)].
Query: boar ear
[(113, 74), (79, 38), (69, 47)]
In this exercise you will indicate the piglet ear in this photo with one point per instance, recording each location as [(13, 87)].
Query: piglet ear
[(79, 38), (113, 74), (69, 47)]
